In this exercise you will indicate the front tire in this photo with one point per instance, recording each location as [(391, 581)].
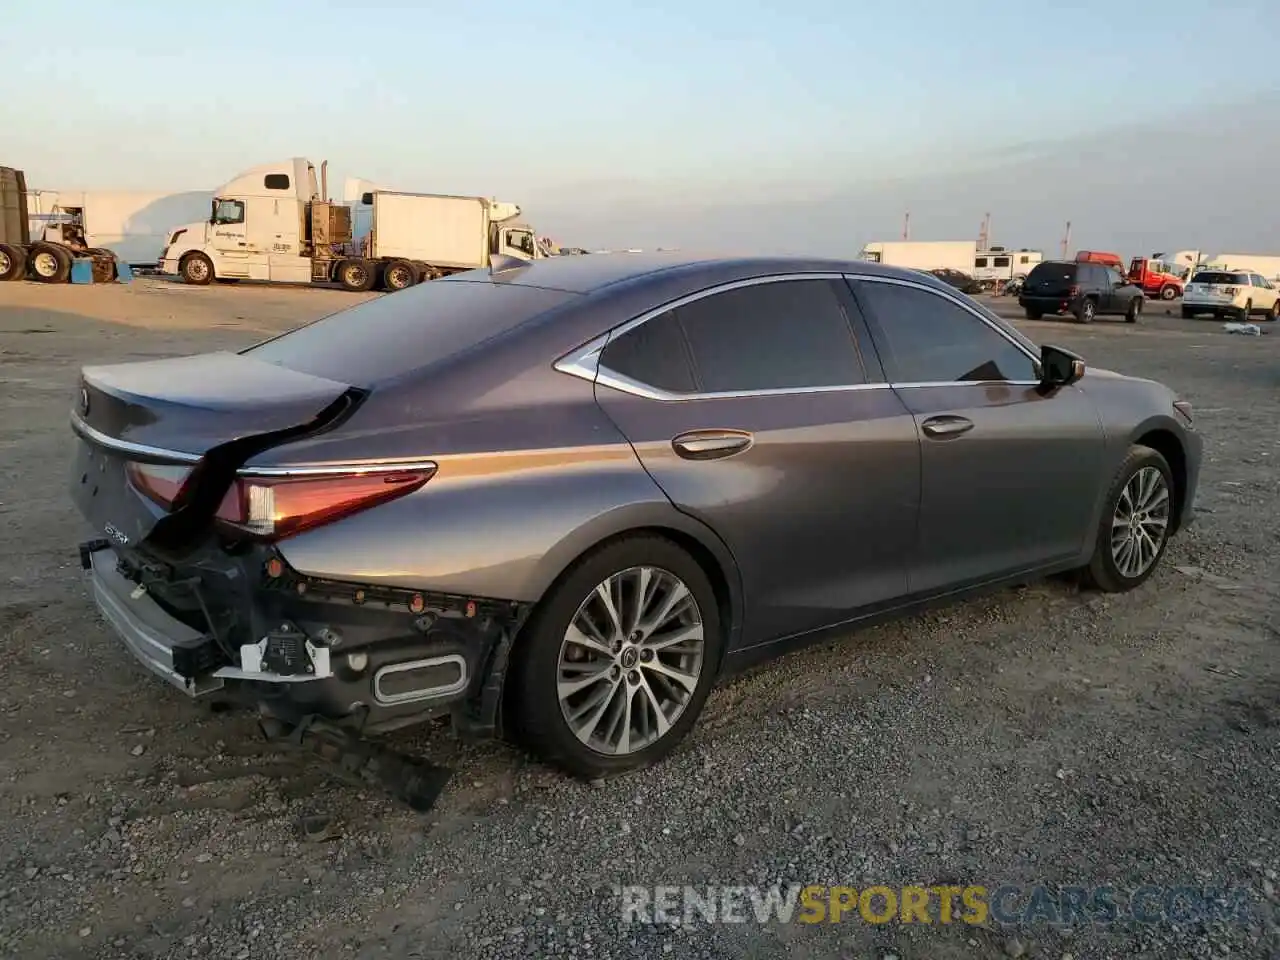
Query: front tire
[(196, 269), (1135, 310), (1246, 311), (617, 662), (1134, 530), (1272, 314), (1168, 292)]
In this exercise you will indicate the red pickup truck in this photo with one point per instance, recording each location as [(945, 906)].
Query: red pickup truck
[(1155, 278)]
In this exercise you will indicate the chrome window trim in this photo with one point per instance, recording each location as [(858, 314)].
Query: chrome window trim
[(340, 468), (584, 361)]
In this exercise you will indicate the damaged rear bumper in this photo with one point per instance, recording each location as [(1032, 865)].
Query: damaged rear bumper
[(368, 660)]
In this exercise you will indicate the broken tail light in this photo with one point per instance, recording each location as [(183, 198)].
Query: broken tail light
[(1073, 291), (159, 483), (271, 508)]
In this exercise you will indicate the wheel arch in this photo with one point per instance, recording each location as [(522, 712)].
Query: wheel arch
[(688, 533), (190, 254)]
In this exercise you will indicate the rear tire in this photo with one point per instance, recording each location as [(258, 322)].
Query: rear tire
[(1034, 314), (546, 654), (1086, 311), (1168, 292), (1114, 566), (13, 262), (1188, 314), (1135, 310), (196, 269), (49, 263), (399, 275), (1246, 311), (356, 275)]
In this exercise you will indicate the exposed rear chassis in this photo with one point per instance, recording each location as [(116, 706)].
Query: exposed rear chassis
[(321, 704)]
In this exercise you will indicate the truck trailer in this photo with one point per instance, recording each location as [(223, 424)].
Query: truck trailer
[(276, 223), (926, 255)]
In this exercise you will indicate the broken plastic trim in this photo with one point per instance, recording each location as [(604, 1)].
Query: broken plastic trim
[(417, 783)]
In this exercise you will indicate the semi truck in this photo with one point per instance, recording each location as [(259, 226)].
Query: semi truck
[(58, 244), (927, 255), (276, 223)]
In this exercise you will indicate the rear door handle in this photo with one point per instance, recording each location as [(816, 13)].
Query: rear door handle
[(711, 444), (944, 427)]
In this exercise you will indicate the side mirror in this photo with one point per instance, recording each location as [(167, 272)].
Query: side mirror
[(1059, 368)]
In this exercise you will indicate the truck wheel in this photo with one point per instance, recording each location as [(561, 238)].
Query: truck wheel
[(399, 275), (1135, 310), (356, 275), (1085, 312), (1168, 292), (13, 262), (196, 269), (49, 263)]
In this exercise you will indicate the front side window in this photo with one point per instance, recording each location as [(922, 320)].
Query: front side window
[(229, 211), (778, 335), (927, 338)]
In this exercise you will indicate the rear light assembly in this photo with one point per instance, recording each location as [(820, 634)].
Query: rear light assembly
[(1231, 291), (272, 508), (1073, 291)]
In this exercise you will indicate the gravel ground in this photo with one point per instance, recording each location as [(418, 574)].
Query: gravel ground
[(1039, 735)]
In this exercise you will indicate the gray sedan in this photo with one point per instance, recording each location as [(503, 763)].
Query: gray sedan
[(560, 500)]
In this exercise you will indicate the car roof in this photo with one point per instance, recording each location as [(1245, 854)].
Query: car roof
[(589, 273)]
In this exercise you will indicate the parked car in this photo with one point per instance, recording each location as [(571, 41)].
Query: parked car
[(562, 499), (1234, 293), (1084, 290), (955, 278)]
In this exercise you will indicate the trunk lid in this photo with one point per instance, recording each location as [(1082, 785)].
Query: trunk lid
[(198, 418)]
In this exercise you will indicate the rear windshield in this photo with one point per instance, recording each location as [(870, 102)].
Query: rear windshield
[(400, 332), (1045, 272), (1219, 276)]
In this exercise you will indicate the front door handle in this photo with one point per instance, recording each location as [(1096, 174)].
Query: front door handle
[(711, 444), (944, 427)]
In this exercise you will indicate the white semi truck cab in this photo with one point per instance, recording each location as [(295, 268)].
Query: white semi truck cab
[(276, 223)]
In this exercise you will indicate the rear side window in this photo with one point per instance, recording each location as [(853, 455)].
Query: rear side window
[(405, 331), (1055, 272), (653, 353), (1219, 276), (780, 335), (276, 181), (927, 338)]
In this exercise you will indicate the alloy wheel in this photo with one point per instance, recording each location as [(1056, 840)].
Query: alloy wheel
[(1140, 523), (630, 661)]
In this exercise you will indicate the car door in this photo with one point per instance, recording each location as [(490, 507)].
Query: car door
[(1265, 294), (1009, 474), (751, 407)]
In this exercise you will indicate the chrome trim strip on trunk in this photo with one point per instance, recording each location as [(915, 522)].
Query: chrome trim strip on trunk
[(129, 447)]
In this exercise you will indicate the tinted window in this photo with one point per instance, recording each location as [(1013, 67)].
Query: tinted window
[(771, 336), (417, 327), (980, 262), (276, 181), (653, 353), (1053, 272), (1002, 261), (926, 338), (1218, 276)]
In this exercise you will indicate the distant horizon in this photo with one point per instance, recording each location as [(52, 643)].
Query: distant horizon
[(703, 123)]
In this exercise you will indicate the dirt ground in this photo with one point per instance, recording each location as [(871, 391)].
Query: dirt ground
[(1039, 735)]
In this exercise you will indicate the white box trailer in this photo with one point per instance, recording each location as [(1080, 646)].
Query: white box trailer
[(1261, 264), (453, 233), (133, 225), (924, 255)]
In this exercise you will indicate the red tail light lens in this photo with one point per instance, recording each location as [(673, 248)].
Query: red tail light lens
[(274, 508), (1073, 291), (159, 483)]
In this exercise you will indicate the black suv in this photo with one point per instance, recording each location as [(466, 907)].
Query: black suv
[(1085, 290)]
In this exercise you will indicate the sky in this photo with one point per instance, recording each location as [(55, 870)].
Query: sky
[(802, 127)]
